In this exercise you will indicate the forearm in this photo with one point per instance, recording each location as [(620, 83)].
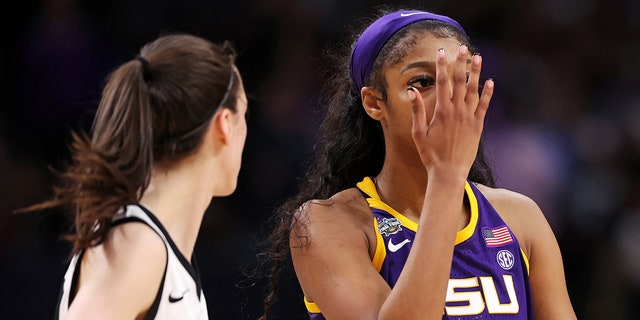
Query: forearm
[(421, 288)]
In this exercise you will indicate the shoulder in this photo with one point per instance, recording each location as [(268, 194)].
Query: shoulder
[(125, 270), (521, 213), (349, 203), (509, 200), (138, 238), (333, 238), (346, 213), (132, 248)]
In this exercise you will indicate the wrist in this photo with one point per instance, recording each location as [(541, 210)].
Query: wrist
[(448, 175)]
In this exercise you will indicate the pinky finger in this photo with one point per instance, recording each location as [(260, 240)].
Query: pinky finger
[(485, 98)]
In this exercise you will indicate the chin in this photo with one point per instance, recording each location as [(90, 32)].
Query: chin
[(226, 191)]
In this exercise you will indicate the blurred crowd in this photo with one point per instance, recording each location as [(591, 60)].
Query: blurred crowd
[(563, 128)]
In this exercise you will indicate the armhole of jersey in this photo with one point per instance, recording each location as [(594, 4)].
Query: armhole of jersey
[(468, 230), (311, 306), (190, 267), (73, 288), (56, 314), (153, 310), (366, 187), (525, 259), (381, 252)]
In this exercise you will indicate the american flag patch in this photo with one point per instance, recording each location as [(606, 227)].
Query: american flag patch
[(495, 237)]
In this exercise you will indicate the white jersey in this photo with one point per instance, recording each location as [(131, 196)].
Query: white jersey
[(180, 296)]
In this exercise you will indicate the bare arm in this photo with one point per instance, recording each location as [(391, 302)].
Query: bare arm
[(334, 269), (546, 273), (548, 285), (120, 278)]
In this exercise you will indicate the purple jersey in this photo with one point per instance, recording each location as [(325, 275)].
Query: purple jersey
[(489, 272)]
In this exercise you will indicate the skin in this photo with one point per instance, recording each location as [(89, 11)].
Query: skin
[(120, 278), (432, 132)]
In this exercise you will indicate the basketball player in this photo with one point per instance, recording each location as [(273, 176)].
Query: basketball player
[(168, 136), (398, 217)]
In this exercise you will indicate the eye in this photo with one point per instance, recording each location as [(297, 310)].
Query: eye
[(422, 81)]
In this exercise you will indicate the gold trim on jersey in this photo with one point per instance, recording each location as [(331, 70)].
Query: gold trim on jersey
[(368, 187), (311, 306), (526, 260), (380, 253)]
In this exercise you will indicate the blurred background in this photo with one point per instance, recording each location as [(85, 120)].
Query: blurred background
[(563, 129)]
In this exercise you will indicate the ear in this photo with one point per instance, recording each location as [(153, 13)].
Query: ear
[(372, 102), (221, 125)]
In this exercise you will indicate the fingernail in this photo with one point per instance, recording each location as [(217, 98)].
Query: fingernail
[(411, 93), (490, 82), (441, 53), (463, 49)]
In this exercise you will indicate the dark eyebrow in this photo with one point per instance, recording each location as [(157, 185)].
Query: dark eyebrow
[(423, 64), (419, 64)]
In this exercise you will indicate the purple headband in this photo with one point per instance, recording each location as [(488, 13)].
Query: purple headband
[(378, 33)]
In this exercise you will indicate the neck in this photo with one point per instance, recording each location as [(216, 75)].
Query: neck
[(403, 188), (179, 197)]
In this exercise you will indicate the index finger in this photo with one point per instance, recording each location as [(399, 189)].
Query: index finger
[(419, 127)]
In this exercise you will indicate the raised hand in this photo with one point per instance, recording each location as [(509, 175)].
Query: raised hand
[(450, 139)]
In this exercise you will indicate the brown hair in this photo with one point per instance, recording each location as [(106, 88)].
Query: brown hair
[(154, 110)]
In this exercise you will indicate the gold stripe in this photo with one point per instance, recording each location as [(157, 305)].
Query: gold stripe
[(381, 252), (468, 230), (311, 306), (368, 187), (526, 260)]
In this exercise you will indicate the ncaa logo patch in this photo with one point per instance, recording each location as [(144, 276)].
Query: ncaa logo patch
[(389, 226), (505, 259)]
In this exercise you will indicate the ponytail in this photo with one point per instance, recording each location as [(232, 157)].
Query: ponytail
[(114, 168), (154, 110)]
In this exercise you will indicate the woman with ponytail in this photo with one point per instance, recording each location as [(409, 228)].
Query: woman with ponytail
[(167, 138)]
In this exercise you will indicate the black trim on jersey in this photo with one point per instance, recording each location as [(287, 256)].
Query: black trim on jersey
[(196, 271), (364, 194), (153, 310), (120, 221), (56, 314), (73, 290), (187, 266)]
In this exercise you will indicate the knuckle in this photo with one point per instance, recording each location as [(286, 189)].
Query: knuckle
[(441, 79)]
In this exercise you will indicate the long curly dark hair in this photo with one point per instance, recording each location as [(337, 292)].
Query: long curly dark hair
[(350, 144)]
